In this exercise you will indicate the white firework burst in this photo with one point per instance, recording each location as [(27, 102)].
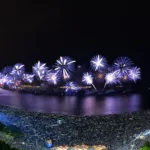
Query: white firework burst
[(88, 79), (98, 63), (65, 66), (28, 78), (40, 69), (112, 78), (122, 65), (52, 78), (134, 74), (18, 69)]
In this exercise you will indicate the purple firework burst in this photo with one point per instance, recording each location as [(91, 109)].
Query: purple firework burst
[(98, 63), (40, 69), (28, 78), (123, 65), (64, 66), (87, 78), (52, 77), (6, 79), (112, 78), (18, 69), (134, 74), (7, 70)]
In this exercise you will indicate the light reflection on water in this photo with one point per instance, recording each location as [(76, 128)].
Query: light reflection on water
[(72, 105)]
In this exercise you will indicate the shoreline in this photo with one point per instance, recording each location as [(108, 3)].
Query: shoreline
[(116, 132), (81, 93)]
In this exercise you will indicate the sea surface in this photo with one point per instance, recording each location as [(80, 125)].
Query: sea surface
[(75, 105)]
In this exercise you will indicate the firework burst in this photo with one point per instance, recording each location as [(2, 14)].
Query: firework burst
[(98, 63), (112, 78), (28, 78), (18, 70), (40, 69), (123, 65), (7, 80), (52, 77), (88, 79), (7, 70), (65, 66), (71, 87), (134, 74)]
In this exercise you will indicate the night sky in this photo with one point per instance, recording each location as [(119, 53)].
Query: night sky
[(45, 30)]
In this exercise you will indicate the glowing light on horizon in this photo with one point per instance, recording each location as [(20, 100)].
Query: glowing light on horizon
[(99, 77), (71, 86)]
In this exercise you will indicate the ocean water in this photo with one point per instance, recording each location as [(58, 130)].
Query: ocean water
[(75, 105)]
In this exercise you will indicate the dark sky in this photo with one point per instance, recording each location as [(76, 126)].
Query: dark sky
[(44, 30)]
